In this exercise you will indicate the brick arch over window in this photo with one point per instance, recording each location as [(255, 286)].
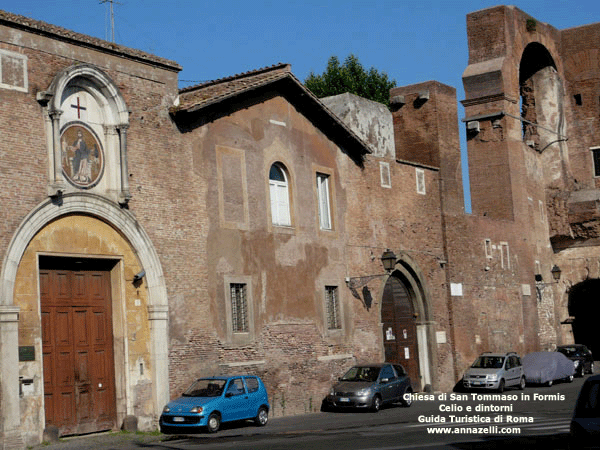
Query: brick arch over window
[(111, 124), (126, 224)]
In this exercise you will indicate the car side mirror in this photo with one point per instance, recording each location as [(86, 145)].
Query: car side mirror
[(229, 394)]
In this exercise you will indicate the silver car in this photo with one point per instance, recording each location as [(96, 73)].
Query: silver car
[(370, 386), (495, 371)]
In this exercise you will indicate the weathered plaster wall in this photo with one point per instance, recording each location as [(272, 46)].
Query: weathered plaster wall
[(83, 236)]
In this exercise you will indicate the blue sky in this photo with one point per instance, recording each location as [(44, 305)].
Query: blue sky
[(411, 41)]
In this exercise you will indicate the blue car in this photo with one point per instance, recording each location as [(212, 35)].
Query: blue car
[(208, 402)]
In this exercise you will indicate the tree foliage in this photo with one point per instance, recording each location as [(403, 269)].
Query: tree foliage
[(350, 77)]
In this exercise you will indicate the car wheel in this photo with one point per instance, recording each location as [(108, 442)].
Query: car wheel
[(501, 386), (376, 405), (406, 402), (262, 417), (549, 383), (213, 423), (522, 383)]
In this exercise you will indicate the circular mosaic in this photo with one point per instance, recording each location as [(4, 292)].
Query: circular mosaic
[(82, 155)]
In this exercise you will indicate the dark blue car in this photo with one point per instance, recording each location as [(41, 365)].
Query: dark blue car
[(208, 402)]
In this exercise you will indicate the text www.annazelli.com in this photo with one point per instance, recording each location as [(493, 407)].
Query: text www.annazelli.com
[(474, 430)]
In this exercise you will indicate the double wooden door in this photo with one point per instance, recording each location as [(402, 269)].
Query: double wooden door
[(399, 328), (77, 340)]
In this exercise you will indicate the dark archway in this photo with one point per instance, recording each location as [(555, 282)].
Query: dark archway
[(399, 326), (584, 306)]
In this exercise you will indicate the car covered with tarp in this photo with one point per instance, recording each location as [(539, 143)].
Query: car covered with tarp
[(547, 367)]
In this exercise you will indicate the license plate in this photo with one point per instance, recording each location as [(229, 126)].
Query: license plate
[(178, 419), (476, 383), (344, 399)]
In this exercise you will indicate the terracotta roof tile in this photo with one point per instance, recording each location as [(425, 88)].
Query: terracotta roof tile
[(39, 27), (204, 94)]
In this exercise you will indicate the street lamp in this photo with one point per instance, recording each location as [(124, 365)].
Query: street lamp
[(556, 273), (389, 260)]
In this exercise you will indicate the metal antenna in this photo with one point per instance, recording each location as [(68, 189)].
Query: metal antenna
[(112, 17)]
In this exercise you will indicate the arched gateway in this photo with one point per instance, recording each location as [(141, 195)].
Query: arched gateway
[(92, 343), (407, 329)]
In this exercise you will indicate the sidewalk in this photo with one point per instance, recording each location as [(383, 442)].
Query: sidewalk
[(103, 441)]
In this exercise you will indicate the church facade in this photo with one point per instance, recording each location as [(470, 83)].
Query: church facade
[(152, 235)]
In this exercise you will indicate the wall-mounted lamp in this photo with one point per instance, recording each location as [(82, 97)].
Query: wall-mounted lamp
[(539, 281), (137, 278), (555, 271), (388, 260)]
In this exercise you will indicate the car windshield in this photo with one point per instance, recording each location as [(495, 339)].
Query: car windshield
[(488, 362), (571, 351), (205, 388), (362, 374)]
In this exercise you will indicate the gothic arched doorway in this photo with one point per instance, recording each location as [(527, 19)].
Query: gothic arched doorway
[(400, 328), (584, 306)]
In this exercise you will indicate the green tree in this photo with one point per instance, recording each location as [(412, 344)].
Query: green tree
[(350, 77)]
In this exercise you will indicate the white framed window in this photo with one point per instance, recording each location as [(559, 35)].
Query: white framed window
[(13, 71), (384, 174), (332, 304), (280, 196), (323, 201), (487, 244), (504, 255), (239, 307), (420, 175)]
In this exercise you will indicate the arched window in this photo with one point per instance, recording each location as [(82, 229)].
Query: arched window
[(280, 197)]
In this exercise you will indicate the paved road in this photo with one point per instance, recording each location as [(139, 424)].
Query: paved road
[(539, 419)]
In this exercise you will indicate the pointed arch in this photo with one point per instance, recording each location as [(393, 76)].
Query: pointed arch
[(408, 273)]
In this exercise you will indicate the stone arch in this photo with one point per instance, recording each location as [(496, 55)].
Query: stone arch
[(541, 93), (100, 86), (584, 307), (110, 121), (123, 222), (409, 273)]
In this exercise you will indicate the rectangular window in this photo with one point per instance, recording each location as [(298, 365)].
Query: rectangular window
[(504, 255), (333, 308), (596, 159), (488, 248), (323, 200), (384, 174), (420, 174), (239, 308)]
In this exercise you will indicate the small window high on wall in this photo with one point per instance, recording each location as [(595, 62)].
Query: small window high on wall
[(596, 159)]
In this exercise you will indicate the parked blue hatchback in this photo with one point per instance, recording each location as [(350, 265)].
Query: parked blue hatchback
[(208, 402)]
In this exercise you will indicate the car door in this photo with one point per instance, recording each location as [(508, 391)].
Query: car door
[(403, 379), (512, 375), (235, 401), (254, 397), (388, 383)]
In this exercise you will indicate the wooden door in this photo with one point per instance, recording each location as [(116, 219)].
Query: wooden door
[(79, 387), (399, 329)]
